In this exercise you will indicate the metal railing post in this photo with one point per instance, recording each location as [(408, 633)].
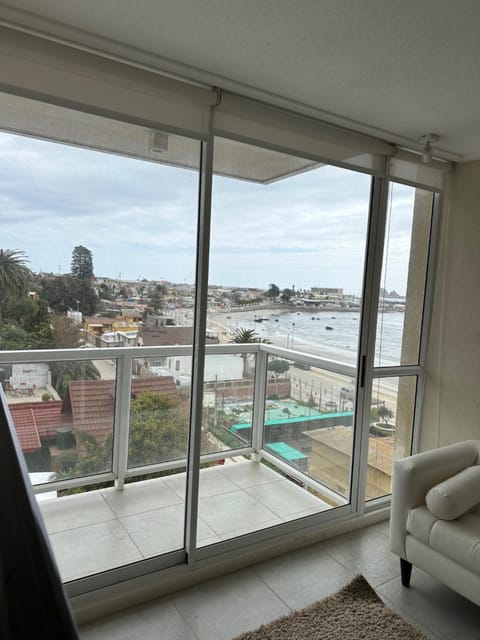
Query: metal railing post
[(261, 360), (122, 418)]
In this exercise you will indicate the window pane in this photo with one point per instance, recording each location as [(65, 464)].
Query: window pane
[(159, 415), (404, 273), (109, 237), (309, 426), (287, 255), (391, 428), (103, 244), (63, 413), (227, 402), (287, 251)]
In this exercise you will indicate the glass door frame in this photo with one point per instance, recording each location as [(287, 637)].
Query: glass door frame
[(366, 372)]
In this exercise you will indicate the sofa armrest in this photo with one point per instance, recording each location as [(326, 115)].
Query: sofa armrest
[(415, 475)]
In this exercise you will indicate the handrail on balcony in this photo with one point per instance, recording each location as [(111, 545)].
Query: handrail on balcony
[(124, 358)]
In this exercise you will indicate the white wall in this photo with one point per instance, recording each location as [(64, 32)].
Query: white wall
[(452, 393), (27, 375)]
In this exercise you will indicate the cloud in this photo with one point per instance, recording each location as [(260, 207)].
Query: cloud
[(140, 218)]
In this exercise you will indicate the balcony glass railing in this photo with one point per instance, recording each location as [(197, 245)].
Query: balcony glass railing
[(118, 413), (121, 417)]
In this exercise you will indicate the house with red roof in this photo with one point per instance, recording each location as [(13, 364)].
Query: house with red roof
[(89, 406)]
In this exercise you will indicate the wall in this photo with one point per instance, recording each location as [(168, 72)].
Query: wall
[(451, 409)]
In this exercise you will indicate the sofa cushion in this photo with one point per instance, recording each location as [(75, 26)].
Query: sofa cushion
[(457, 539), (456, 495)]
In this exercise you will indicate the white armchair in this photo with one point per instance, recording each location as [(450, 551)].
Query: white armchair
[(435, 516)]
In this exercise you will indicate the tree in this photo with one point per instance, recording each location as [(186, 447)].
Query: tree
[(277, 367), (286, 295), (66, 333), (13, 338), (246, 336), (67, 292), (273, 291), (64, 371), (158, 432), (156, 296), (82, 262), (104, 291), (14, 277), (158, 429), (28, 314), (384, 413)]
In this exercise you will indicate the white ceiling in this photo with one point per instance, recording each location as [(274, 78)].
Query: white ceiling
[(395, 68)]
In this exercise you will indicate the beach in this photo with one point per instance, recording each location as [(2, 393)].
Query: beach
[(305, 331)]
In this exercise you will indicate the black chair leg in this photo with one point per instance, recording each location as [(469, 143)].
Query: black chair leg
[(406, 571)]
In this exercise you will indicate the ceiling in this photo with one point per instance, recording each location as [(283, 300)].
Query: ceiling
[(397, 70)]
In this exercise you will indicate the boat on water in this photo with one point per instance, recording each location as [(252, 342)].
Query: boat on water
[(328, 328)]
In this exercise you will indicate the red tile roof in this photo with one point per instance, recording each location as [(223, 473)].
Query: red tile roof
[(36, 421), (92, 402), (88, 406)]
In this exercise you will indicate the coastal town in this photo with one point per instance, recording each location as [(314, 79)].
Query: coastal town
[(64, 412)]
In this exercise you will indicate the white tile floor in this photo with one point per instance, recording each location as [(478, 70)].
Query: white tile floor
[(224, 607), (101, 530)]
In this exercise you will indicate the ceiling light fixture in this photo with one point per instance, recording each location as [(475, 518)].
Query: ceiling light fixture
[(427, 140)]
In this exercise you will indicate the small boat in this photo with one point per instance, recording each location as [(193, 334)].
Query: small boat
[(329, 328), (258, 320), (276, 319)]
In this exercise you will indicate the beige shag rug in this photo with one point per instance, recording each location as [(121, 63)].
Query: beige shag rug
[(353, 613)]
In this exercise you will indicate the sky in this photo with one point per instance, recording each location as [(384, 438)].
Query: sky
[(139, 220)]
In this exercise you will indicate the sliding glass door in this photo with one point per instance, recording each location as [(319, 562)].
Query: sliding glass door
[(126, 282), (287, 251)]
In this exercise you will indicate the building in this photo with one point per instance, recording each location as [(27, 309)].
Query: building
[(384, 76)]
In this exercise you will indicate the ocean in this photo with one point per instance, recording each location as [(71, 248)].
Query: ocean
[(330, 334)]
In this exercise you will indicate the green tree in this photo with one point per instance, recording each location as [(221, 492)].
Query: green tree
[(246, 336), (29, 314), (104, 291), (277, 367), (156, 297), (66, 334), (286, 295), (158, 429), (64, 293), (14, 278), (82, 262), (273, 291), (384, 413), (13, 338), (158, 432), (64, 372)]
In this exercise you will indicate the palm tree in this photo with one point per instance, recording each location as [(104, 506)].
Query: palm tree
[(14, 276), (247, 336)]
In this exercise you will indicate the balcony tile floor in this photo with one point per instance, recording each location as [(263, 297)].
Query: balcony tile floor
[(226, 606), (104, 529)]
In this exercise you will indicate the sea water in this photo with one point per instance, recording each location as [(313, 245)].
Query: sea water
[(329, 334)]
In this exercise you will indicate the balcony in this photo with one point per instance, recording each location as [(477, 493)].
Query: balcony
[(100, 530), (273, 448)]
